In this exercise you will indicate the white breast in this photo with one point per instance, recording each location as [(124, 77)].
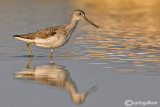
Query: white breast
[(50, 42), (55, 41)]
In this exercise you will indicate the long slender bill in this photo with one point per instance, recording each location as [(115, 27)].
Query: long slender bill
[(90, 22)]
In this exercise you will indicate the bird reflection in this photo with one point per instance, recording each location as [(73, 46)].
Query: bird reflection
[(54, 75)]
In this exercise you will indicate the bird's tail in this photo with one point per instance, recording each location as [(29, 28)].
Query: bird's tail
[(20, 37), (16, 36)]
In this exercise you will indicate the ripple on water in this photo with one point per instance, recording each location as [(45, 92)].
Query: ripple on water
[(127, 38)]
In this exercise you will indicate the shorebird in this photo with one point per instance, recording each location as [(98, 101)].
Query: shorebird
[(54, 37)]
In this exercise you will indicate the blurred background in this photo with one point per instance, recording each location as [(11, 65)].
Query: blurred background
[(122, 57)]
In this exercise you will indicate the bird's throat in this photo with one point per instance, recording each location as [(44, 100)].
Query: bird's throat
[(72, 23)]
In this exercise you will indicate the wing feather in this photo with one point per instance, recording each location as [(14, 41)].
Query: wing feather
[(44, 33)]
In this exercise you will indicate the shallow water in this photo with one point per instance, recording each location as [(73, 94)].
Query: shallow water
[(121, 59)]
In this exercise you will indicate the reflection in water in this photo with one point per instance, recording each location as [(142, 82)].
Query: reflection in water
[(54, 75)]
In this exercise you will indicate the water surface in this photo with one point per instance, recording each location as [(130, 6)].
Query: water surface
[(121, 58)]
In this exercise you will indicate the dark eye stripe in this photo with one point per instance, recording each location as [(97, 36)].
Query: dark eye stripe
[(79, 13)]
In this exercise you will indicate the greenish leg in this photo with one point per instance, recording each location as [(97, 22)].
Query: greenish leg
[(27, 67), (51, 55), (27, 44)]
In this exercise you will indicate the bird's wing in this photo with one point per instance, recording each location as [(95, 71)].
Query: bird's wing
[(44, 33), (48, 32)]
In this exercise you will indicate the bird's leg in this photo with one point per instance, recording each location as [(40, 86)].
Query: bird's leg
[(27, 67), (27, 44), (51, 55)]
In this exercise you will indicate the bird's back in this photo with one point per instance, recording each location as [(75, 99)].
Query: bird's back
[(44, 33)]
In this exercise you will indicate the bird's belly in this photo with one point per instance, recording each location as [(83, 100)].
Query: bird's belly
[(50, 42)]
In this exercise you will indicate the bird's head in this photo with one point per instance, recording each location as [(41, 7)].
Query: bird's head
[(80, 15), (79, 98)]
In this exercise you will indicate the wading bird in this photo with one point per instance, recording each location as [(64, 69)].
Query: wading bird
[(54, 37)]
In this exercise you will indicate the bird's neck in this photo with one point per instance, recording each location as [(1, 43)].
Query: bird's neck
[(72, 23)]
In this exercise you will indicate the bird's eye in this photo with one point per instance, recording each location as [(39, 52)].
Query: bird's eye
[(80, 14)]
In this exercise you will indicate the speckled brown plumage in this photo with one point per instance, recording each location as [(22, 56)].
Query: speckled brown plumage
[(54, 37), (44, 33)]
